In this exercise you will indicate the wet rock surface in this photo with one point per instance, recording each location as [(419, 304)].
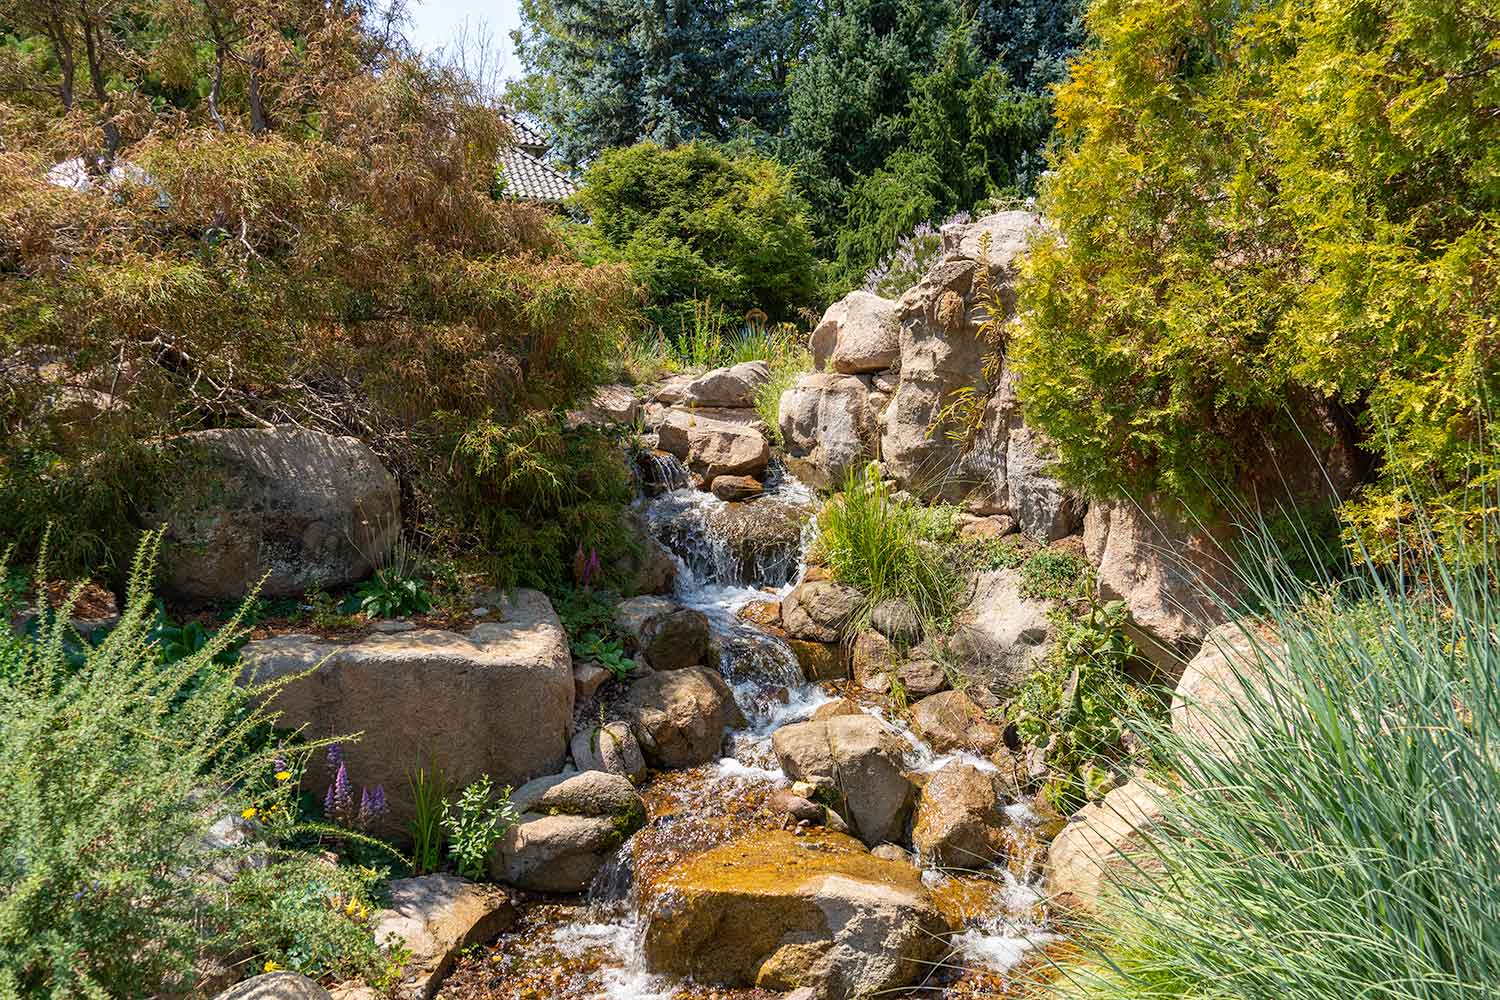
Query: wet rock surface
[(783, 912), (679, 717)]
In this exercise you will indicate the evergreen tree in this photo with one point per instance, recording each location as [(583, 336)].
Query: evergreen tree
[(847, 101), (1032, 39), (609, 73)]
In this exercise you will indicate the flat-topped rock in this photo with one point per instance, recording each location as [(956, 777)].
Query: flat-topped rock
[(732, 386), (435, 917), (783, 912), (497, 700)]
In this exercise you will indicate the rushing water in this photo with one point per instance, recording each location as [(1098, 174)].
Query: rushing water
[(592, 949)]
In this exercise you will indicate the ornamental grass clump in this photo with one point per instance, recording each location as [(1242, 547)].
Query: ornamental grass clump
[(1344, 814), (114, 766), (888, 548)]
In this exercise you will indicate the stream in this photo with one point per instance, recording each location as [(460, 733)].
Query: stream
[(590, 948)]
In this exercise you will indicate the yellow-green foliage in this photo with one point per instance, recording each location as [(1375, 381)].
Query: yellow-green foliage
[(695, 222), (1261, 209)]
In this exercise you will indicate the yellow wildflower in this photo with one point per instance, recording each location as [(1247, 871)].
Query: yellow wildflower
[(270, 966), (349, 908), (283, 775), (248, 812)]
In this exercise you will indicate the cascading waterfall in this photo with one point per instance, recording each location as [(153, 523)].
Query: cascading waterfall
[(723, 566)]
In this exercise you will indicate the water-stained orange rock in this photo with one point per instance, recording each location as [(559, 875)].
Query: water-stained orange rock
[(782, 911)]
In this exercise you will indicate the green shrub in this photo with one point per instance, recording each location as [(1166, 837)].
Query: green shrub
[(475, 824), (1056, 575), (524, 496), (697, 222), (1263, 212), (1079, 704), (1346, 846), (114, 765), (888, 548)]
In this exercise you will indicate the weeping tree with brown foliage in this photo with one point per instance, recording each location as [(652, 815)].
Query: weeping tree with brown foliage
[(269, 212)]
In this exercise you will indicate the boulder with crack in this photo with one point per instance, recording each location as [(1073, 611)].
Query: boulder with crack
[(569, 826)]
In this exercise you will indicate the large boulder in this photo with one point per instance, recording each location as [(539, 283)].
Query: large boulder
[(1107, 841), (496, 701), (941, 353), (828, 427), (1230, 667), (819, 609), (734, 386), (556, 853), (612, 748), (869, 336), (960, 818), (609, 404), (435, 917), (783, 912), (1002, 638), (300, 508), (666, 634), (1175, 575), (680, 716), (857, 758), (569, 826), (1004, 464), (713, 448)]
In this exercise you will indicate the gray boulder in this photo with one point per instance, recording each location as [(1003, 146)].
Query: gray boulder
[(734, 386), (828, 427), (713, 448), (1002, 638), (858, 758), (1173, 574), (667, 635), (301, 508), (611, 747), (569, 825), (818, 610), (679, 716), (868, 337), (276, 986), (435, 917)]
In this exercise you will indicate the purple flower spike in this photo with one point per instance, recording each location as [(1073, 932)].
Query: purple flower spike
[(335, 755)]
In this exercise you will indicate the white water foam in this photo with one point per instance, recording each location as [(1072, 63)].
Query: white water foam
[(623, 972)]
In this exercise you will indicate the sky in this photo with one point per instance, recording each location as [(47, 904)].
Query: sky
[(435, 22)]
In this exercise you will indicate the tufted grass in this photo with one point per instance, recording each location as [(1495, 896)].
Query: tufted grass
[(888, 548), (1349, 847)]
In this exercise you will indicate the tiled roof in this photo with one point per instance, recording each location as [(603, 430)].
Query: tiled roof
[(530, 179), (526, 136)]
